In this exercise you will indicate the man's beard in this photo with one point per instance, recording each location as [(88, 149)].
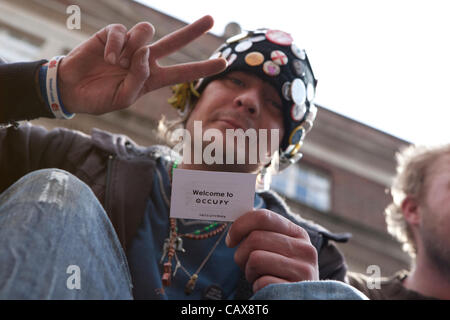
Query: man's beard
[(436, 245)]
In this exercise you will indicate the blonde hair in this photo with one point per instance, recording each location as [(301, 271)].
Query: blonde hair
[(412, 165), (184, 99)]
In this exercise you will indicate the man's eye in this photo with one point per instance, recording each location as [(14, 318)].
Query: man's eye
[(236, 81)]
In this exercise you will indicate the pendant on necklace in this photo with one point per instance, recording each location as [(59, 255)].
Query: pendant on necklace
[(190, 285), (177, 266), (166, 278), (178, 246)]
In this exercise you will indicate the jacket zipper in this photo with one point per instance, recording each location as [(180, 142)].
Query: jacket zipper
[(108, 181)]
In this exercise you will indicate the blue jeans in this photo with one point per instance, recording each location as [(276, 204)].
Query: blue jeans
[(57, 242), (309, 290)]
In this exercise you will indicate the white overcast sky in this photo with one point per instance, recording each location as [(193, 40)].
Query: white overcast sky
[(385, 63)]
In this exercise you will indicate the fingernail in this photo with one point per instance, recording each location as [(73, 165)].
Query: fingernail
[(111, 58), (124, 63)]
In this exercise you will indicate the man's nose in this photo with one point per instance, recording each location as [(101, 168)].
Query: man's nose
[(250, 99)]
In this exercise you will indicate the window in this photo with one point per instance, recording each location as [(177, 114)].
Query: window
[(305, 184)]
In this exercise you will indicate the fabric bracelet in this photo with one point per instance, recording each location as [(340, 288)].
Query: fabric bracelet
[(48, 83)]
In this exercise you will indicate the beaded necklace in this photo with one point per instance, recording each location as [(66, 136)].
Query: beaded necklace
[(175, 243)]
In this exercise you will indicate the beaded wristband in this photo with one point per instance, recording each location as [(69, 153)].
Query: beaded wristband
[(48, 82)]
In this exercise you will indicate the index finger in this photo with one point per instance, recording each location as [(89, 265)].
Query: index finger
[(262, 220), (192, 71), (181, 37)]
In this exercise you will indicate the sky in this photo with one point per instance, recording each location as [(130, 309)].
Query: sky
[(384, 63)]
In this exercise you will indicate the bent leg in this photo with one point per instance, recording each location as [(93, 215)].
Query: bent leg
[(56, 242)]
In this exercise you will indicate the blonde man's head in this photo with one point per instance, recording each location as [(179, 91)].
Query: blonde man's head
[(412, 165)]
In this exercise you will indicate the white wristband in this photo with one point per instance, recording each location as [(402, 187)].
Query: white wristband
[(53, 97)]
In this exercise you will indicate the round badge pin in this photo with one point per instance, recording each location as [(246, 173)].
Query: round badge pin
[(310, 92), (254, 58), (312, 113), (298, 91), (279, 57), (231, 59), (296, 135), (299, 53), (243, 46), (226, 53), (271, 69), (258, 38), (223, 45), (308, 125), (286, 90), (298, 67), (289, 149), (215, 55), (237, 37), (298, 112), (297, 148), (279, 37), (260, 31)]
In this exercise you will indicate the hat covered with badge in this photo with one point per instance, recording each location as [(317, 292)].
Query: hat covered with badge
[(272, 56)]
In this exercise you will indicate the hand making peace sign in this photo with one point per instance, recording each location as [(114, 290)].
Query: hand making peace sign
[(112, 69)]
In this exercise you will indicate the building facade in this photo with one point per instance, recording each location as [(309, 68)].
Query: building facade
[(342, 180)]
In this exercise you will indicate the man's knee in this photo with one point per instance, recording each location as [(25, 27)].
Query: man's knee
[(48, 187)]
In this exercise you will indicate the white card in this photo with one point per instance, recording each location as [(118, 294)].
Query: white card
[(211, 195)]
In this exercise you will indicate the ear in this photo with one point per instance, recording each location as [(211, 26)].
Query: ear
[(410, 208)]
